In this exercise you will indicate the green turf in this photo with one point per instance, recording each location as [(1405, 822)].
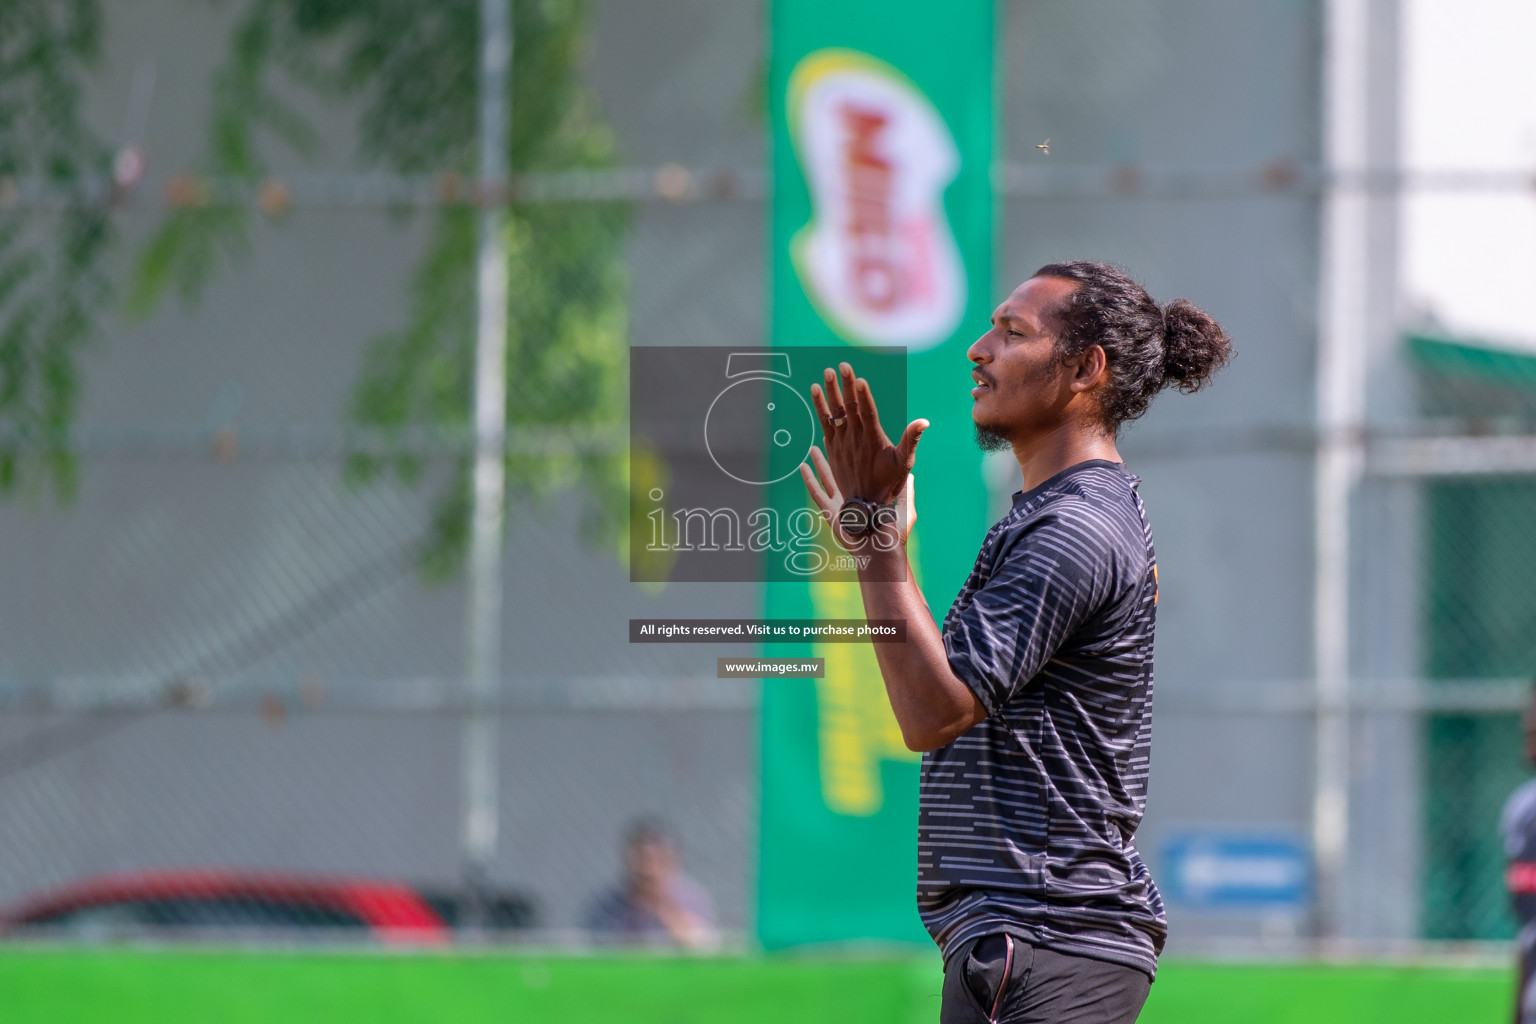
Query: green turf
[(127, 987), (1313, 994)]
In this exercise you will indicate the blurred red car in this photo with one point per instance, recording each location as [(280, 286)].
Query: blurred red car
[(249, 904)]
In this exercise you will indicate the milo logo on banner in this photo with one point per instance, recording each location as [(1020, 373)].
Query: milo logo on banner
[(878, 258)]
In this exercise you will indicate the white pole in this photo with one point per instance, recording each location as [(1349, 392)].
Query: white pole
[(484, 596), (1343, 325)]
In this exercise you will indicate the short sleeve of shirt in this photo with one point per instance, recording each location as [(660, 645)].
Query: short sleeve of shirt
[(694, 898), (1041, 590), (1517, 823), (1509, 833)]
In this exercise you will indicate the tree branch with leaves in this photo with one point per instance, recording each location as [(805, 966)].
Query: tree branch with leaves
[(409, 68), (52, 284)]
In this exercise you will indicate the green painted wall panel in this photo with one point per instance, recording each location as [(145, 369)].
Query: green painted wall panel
[(881, 234)]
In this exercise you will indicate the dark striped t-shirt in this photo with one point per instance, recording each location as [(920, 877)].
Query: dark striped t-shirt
[(1517, 825), (1025, 822)]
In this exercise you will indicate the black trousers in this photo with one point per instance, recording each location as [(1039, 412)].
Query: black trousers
[(1000, 979)]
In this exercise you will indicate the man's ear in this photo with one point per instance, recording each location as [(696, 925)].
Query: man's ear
[(1089, 368)]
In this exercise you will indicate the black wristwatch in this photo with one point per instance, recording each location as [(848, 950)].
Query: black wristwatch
[(860, 516)]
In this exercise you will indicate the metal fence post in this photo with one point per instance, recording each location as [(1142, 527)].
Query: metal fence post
[(484, 597), (1344, 327)]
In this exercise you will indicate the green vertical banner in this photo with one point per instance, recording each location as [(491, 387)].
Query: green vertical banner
[(882, 221)]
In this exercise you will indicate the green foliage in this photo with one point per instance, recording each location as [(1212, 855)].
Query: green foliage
[(412, 68), (51, 282)]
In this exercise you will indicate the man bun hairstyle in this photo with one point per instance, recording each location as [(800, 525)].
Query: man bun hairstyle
[(1194, 346), (1147, 347)]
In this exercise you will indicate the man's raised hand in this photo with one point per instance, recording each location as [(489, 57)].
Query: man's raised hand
[(864, 462), (824, 492)]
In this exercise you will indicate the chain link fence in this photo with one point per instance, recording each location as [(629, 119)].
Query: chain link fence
[(1479, 621)]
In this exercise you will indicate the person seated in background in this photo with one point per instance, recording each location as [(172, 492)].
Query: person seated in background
[(654, 903)]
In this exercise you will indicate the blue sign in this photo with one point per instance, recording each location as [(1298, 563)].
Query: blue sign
[(1233, 871)]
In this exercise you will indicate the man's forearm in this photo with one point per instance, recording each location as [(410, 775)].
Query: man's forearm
[(932, 705)]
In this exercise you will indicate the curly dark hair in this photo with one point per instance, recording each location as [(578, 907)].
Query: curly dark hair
[(1147, 347)]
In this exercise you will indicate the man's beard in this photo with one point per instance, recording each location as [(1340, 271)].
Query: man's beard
[(990, 440)]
